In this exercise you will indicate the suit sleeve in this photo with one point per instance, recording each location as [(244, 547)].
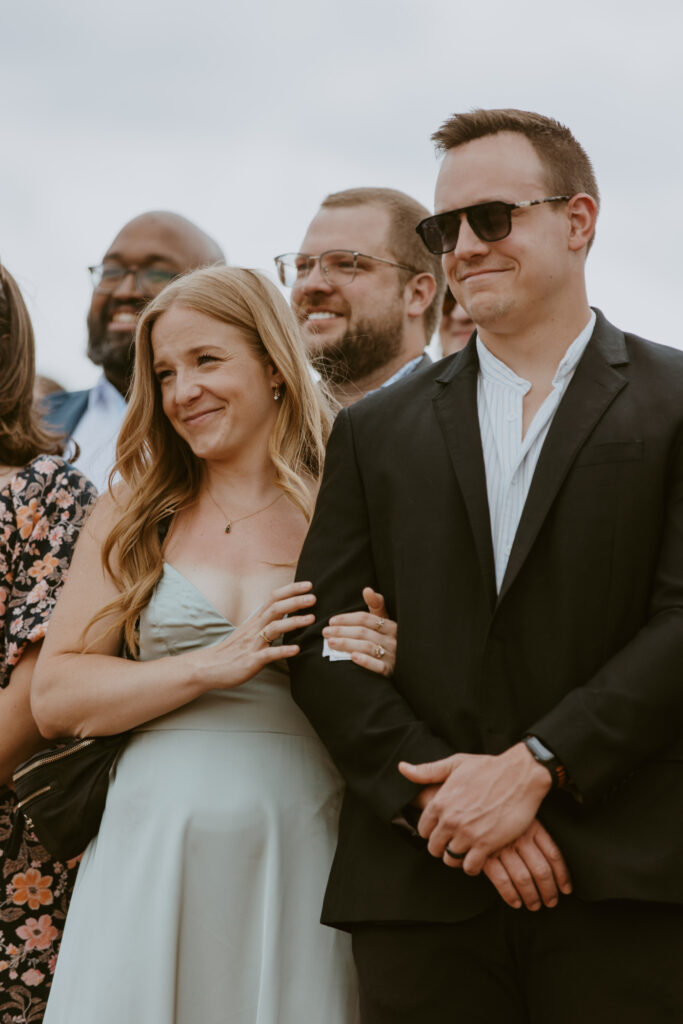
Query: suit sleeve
[(362, 719), (631, 710)]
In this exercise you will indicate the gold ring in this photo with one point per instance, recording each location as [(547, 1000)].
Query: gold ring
[(265, 638), (379, 651), (380, 623)]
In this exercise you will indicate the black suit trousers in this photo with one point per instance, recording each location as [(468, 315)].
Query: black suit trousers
[(614, 962)]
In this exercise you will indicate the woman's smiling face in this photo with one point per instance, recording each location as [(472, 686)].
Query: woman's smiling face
[(216, 392)]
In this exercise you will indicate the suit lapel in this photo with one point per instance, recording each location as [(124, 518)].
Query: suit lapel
[(592, 390), (456, 410)]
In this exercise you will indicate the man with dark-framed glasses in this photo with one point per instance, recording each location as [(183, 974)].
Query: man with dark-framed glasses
[(366, 291), (510, 844), (147, 253)]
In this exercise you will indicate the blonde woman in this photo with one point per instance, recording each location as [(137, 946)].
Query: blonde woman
[(200, 897)]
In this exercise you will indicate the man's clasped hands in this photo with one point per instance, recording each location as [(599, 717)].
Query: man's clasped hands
[(482, 809)]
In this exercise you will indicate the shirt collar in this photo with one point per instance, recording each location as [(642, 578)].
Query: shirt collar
[(493, 369), (570, 359), (105, 395), (403, 371)]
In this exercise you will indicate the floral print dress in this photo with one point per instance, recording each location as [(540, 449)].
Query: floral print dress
[(42, 509)]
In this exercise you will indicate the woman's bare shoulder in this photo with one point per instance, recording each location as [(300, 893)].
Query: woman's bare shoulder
[(109, 508)]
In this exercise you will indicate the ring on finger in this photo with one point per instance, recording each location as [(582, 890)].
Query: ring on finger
[(455, 856), (380, 623), (265, 639), (379, 651)]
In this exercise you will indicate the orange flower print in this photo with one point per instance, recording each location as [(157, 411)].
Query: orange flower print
[(3, 602), (32, 888), (57, 535), (63, 498), (43, 567), (27, 517), (42, 529), (32, 977), (38, 934)]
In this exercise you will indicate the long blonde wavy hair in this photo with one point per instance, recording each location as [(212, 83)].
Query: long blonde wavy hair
[(159, 468)]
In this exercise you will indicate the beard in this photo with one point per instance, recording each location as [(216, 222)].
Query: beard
[(364, 348), (114, 352)]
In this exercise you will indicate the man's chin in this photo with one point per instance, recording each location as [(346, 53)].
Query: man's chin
[(112, 350), (320, 342), (488, 311)]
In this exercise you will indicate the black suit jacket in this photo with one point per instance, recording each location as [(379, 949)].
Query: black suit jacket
[(583, 646)]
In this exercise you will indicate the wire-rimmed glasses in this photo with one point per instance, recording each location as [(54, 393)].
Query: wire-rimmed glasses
[(338, 266), (106, 278)]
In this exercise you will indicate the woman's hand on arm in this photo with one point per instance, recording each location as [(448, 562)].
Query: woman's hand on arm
[(82, 687), (370, 637)]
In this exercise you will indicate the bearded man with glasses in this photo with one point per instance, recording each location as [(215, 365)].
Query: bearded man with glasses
[(520, 507), (147, 253), (365, 290)]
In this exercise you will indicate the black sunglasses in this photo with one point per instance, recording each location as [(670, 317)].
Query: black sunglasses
[(490, 222)]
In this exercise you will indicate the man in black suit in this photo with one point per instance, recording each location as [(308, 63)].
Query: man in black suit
[(520, 506), (147, 253), (365, 290)]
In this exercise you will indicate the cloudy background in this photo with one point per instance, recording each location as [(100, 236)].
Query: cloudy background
[(243, 115)]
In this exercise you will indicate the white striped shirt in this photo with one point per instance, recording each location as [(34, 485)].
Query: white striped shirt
[(510, 459)]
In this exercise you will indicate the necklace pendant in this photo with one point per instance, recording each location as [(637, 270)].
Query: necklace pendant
[(227, 527)]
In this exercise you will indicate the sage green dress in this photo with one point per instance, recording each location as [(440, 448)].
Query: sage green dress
[(199, 900)]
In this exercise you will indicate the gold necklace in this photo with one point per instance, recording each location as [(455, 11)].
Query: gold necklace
[(231, 522)]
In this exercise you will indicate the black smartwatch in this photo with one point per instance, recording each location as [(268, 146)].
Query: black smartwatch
[(540, 753)]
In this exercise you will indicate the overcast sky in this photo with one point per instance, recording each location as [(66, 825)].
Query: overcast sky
[(243, 115)]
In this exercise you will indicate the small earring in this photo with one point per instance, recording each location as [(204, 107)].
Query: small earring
[(276, 392)]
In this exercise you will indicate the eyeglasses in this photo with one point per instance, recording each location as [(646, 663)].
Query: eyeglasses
[(106, 277), (338, 266), (491, 222)]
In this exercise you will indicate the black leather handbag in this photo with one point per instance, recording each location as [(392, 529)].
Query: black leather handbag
[(61, 794)]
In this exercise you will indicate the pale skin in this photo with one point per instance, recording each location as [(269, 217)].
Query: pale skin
[(219, 396), (527, 295), (19, 732)]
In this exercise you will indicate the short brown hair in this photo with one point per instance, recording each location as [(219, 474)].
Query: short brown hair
[(404, 242), (22, 435), (566, 162)]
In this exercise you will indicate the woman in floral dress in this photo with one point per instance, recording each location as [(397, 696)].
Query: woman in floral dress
[(43, 502)]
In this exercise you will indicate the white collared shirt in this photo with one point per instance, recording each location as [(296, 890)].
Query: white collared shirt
[(97, 431), (510, 459)]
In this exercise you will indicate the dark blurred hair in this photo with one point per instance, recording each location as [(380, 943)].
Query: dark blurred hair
[(22, 435)]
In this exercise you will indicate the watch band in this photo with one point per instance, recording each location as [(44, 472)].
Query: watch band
[(544, 756)]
